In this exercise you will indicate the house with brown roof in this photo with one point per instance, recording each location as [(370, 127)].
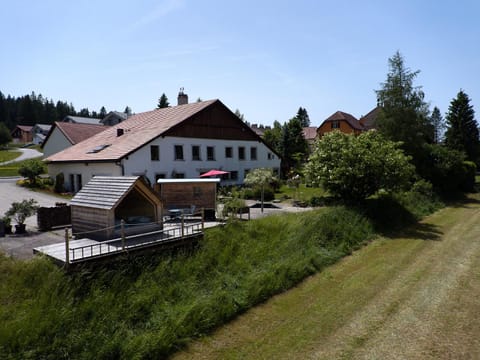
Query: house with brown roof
[(369, 121), (340, 121), (22, 134), (310, 135), (181, 141), (64, 134)]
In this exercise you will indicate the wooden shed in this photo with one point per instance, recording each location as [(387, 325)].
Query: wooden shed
[(185, 193), (98, 208)]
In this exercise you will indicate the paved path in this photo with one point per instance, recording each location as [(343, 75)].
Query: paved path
[(21, 246), (26, 154), (10, 192)]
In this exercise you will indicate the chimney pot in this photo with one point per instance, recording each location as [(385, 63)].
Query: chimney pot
[(182, 98)]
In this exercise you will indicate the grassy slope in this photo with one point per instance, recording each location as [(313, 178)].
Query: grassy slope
[(407, 297), (8, 155), (148, 307)]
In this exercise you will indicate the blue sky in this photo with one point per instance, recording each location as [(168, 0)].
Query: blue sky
[(265, 58)]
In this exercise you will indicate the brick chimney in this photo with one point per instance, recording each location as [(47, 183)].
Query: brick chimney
[(182, 98)]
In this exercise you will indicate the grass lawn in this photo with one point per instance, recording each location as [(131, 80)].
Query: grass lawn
[(303, 193), (410, 296), (8, 155), (11, 169)]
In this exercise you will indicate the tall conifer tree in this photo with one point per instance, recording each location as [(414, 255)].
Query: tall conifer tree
[(462, 128)]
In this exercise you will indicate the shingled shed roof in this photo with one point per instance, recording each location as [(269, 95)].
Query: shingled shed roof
[(104, 192)]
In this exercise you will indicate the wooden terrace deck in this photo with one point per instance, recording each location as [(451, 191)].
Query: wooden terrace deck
[(84, 250)]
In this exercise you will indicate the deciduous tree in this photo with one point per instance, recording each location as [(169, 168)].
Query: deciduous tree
[(261, 178), (356, 167)]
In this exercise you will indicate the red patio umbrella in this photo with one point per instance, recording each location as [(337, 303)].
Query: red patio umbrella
[(214, 172)]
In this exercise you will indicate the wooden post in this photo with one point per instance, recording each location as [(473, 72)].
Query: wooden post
[(183, 229), (122, 232), (67, 248), (203, 219)]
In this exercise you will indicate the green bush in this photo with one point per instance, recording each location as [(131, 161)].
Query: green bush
[(447, 170), (470, 170), (48, 181), (256, 193), (31, 169)]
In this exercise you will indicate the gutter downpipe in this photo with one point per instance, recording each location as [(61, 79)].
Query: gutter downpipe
[(120, 163)]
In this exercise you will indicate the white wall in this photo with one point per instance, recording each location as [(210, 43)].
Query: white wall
[(86, 172), (140, 163), (56, 142)]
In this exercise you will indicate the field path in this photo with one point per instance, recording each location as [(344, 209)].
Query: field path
[(411, 297)]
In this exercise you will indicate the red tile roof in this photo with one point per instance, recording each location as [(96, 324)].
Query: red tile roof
[(138, 130), (77, 132), (340, 115), (310, 132)]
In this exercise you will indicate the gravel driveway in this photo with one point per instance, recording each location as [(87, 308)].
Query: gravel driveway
[(10, 192), (21, 246)]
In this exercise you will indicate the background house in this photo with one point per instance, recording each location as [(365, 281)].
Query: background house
[(340, 121), (39, 133), (182, 141), (114, 118), (81, 120), (22, 134), (64, 134), (310, 135), (369, 121)]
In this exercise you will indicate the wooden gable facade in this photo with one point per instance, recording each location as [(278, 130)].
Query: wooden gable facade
[(340, 121), (214, 122)]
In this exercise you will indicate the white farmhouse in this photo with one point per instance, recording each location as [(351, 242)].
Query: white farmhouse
[(182, 141), (62, 135)]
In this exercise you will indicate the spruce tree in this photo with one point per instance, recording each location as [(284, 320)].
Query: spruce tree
[(462, 128), (163, 102), (404, 113), (438, 125), (302, 116), (103, 112)]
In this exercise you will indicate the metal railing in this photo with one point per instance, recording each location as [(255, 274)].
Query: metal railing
[(124, 243)]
